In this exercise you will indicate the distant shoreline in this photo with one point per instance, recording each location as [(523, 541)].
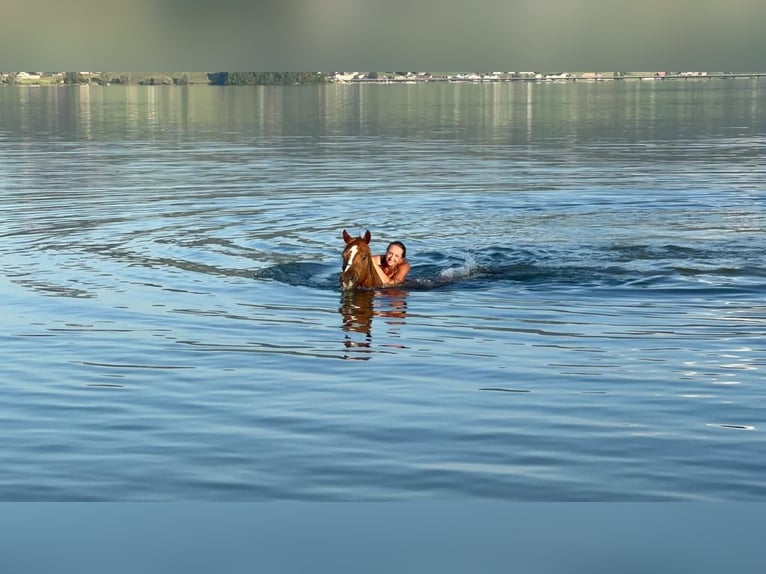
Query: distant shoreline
[(200, 78), (556, 78)]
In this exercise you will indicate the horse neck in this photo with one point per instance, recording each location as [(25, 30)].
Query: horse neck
[(372, 279)]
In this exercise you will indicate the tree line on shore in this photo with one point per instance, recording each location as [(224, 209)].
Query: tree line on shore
[(297, 78), (266, 78), (167, 78), (185, 78)]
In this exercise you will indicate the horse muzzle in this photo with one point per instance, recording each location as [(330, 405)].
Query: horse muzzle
[(348, 280)]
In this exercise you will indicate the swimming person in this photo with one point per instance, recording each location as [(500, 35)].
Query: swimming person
[(392, 267)]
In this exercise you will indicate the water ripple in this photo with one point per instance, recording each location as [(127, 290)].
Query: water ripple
[(174, 326)]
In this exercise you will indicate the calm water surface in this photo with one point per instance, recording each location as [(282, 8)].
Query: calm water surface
[(584, 320)]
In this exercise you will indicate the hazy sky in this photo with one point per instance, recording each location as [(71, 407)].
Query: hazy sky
[(433, 35)]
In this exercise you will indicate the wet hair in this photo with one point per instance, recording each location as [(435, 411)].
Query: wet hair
[(398, 244)]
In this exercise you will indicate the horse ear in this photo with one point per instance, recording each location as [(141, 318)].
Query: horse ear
[(367, 236), (346, 237)]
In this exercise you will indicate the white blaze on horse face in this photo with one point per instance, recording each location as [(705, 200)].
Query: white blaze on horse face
[(351, 255)]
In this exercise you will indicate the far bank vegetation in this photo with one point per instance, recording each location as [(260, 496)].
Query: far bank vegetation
[(163, 78)]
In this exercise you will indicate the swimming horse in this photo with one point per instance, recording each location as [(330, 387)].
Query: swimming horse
[(358, 271)]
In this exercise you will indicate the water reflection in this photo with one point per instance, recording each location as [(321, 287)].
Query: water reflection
[(358, 309), (499, 113)]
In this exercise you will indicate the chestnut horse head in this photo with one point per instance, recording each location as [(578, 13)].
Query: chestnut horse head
[(357, 263)]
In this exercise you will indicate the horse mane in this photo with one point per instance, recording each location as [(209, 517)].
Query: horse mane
[(358, 270)]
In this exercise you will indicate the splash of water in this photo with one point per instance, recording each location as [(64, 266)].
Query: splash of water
[(467, 269)]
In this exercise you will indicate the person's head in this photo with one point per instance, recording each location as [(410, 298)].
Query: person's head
[(395, 253)]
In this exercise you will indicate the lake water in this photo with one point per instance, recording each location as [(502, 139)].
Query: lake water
[(584, 319)]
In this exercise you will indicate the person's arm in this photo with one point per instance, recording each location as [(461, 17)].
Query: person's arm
[(401, 273), (379, 270), (398, 277)]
